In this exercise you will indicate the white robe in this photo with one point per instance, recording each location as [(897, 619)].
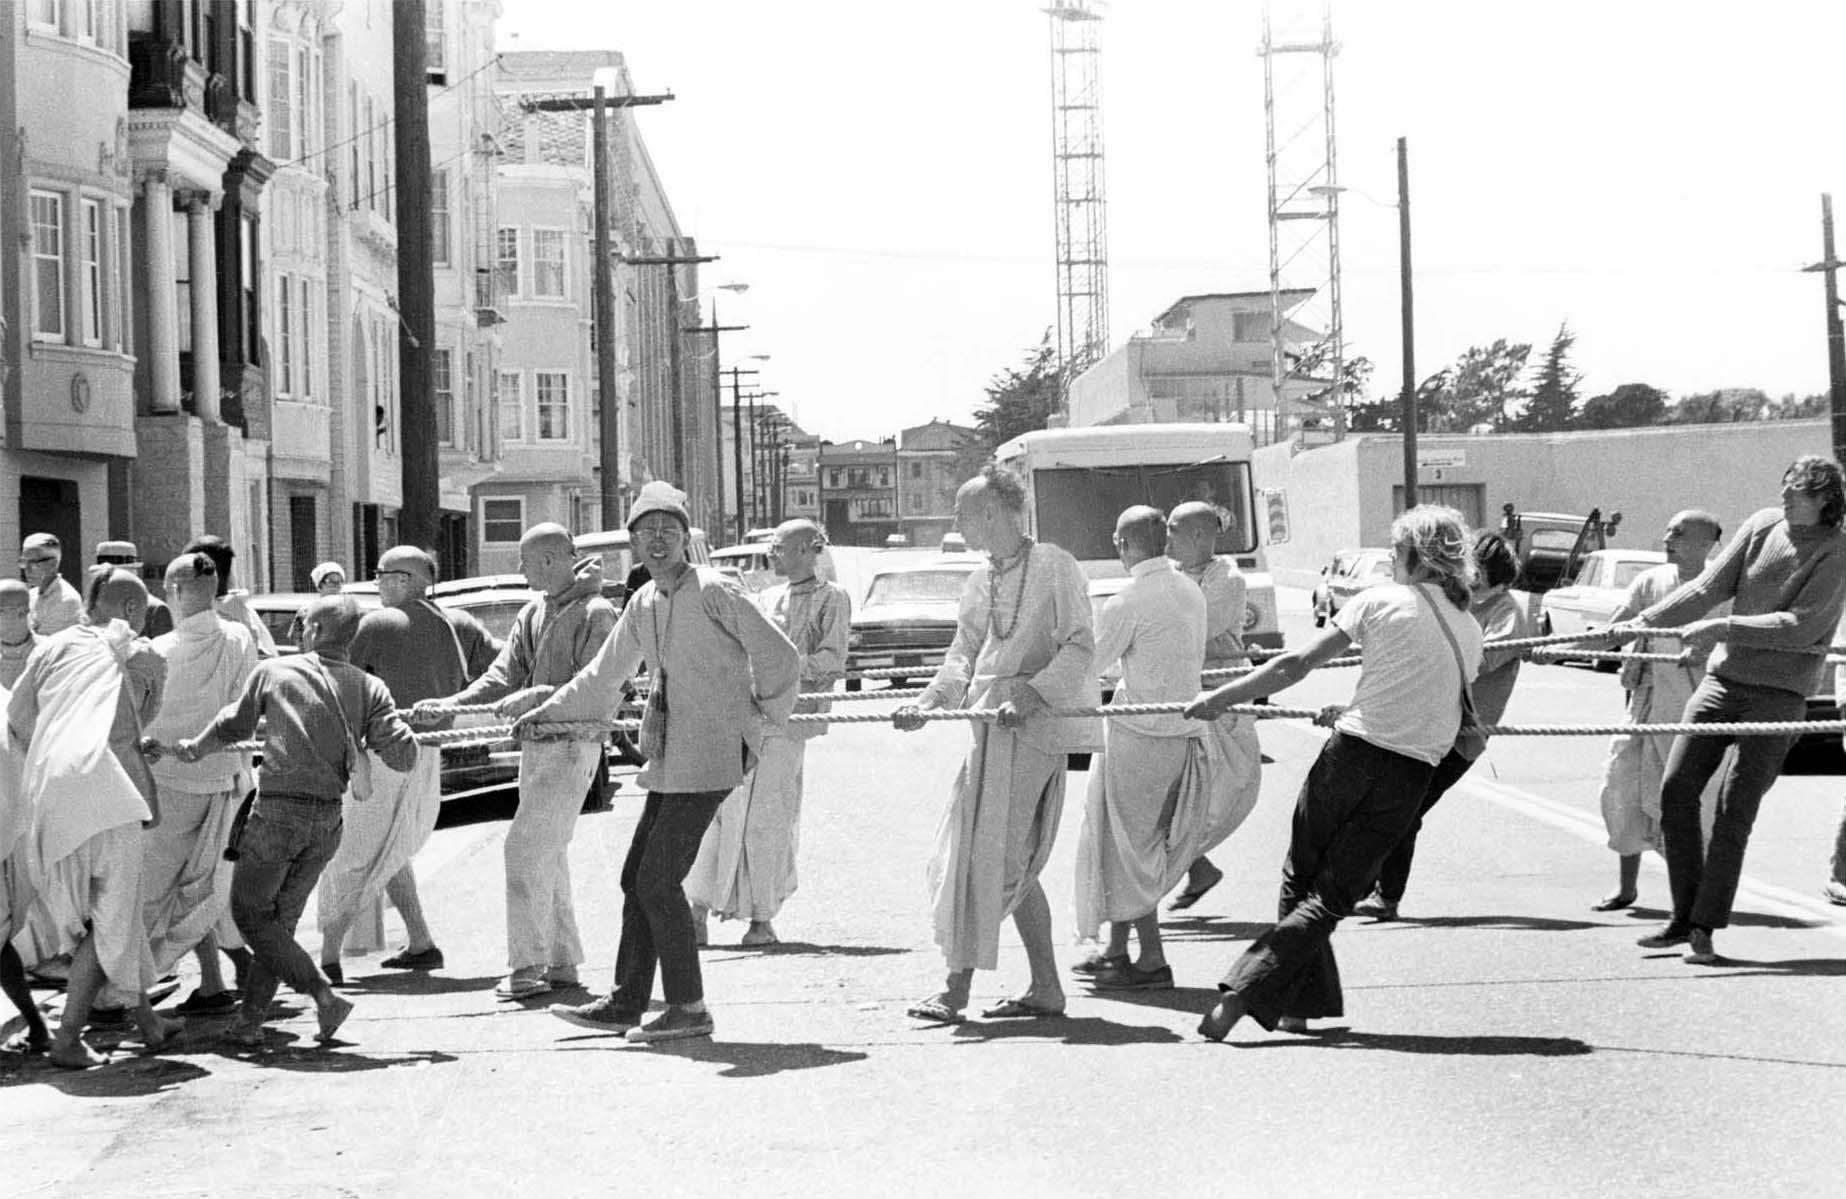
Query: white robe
[(1236, 766)]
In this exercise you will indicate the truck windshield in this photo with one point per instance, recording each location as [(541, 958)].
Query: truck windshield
[(1077, 506)]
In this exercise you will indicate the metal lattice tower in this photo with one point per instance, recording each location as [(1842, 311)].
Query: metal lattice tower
[(1307, 341), (1077, 170)]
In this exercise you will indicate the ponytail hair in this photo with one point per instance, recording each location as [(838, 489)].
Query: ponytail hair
[(1437, 549)]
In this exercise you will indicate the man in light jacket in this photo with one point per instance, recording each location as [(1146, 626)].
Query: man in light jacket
[(722, 675)]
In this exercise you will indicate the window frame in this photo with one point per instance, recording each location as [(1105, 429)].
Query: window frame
[(517, 407), (543, 234), (279, 111), (442, 387), (39, 260), (440, 234), (285, 330), (502, 273), (560, 404), (91, 253), (487, 523)]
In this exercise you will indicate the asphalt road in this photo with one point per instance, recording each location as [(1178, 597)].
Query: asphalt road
[(1501, 1040)]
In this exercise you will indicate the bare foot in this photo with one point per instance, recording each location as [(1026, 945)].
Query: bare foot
[(760, 932), (160, 1032), (1227, 1011), (27, 1041), (74, 1056), (332, 1014)]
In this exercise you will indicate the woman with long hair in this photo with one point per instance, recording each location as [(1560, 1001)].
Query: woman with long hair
[(1420, 649)]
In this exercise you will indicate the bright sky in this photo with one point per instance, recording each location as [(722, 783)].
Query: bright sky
[(880, 174)]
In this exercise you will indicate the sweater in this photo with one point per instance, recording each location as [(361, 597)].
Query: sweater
[(552, 639), (1787, 586)]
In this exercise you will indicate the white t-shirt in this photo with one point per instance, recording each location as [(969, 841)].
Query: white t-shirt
[(1408, 699)]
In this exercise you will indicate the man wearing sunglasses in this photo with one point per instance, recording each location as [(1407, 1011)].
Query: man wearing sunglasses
[(56, 606)]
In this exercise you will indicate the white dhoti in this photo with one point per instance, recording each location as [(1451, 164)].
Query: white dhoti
[(95, 891), (541, 922), (185, 881), (1631, 779), (1147, 810), (379, 835), (1236, 772), (746, 864), (993, 841)]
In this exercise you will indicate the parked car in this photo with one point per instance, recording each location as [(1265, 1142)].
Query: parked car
[(1350, 572), (909, 615), (279, 609), (619, 558), (1588, 603), (750, 564)]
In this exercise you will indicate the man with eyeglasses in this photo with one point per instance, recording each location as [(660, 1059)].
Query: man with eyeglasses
[(56, 605), (417, 651), (554, 637), (723, 678)]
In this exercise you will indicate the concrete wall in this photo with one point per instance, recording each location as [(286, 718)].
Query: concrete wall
[(1341, 496)]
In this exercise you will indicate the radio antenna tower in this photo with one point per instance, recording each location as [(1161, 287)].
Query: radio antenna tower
[(1307, 340), (1077, 172)]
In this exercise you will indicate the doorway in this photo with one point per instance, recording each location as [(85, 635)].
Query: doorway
[(54, 506)]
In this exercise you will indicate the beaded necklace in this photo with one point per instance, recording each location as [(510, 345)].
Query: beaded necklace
[(1023, 560)]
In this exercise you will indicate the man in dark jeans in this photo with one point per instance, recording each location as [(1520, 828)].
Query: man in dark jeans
[(722, 672), (320, 714)]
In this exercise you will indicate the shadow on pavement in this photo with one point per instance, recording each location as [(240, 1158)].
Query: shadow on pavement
[(1197, 1000), (414, 982), (1070, 1030), (288, 1051), (1210, 928), (1815, 967), (1422, 1043), (1537, 924), (123, 1078), (741, 1059), (1745, 919), (795, 948)]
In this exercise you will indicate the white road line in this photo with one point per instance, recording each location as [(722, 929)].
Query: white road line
[(1589, 827)]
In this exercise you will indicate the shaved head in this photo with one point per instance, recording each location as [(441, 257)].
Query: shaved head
[(1196, 514), (14, 594), (192, 581), (800, 531), (548, 538), (116, 594), (328, 624), (1143, 528)]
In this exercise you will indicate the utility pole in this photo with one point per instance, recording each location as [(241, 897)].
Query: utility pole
[(1408, 307), (1829, 265), (737, 441), (609, 424), (416, 285), (675, 383), (717, 407)]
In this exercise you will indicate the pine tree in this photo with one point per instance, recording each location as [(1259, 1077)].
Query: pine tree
[(1553, 405)]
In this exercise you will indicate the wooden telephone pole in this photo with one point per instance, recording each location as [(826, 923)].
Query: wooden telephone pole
[(416, 285)]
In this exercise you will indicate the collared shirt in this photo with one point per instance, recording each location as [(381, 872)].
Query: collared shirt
[(1156, 627), (208, 661), (55, 607)]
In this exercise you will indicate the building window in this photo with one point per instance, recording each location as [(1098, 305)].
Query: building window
[(553, 405), (304, 111), (506, 262), (439, 215), (285, 328), (510, 401), (279, 116), (548, 263), (92, 273), (304, 313), (503, 521), (371, 155), (1249, 326), (253, 311), (916, 470), (48, 13), (48, 264), (437, 63), (443, 384)]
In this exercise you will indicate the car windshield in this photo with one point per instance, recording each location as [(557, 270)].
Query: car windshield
[(1077, 506), (917, 586), (1559, 541), (496, 616)]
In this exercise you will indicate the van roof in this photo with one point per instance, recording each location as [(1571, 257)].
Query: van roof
[(1182, 442)]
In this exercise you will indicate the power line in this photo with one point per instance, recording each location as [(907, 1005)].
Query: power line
[(386, 123)]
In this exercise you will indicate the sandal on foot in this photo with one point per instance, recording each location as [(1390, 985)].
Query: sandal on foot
[(1613, 903), (1019, 1009), (1097, 963), (934, 1011), (25, 1044)]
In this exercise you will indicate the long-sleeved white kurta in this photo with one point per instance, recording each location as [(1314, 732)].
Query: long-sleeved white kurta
[(1003, 812)]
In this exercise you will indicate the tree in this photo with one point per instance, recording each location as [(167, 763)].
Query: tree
[(1722, 407), (1020, 398), (1553, 405), (1793, 407), (1630, 406), (1484, 386)]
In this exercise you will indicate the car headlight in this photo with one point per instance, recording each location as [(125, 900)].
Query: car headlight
[(1252, 616), (853, 639)]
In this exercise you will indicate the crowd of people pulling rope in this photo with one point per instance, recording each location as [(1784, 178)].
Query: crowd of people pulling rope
[(135, 828)]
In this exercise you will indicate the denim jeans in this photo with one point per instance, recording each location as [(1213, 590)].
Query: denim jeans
[(285, 845), (1353, 809), (656, 920), (1703, 878), (1394, 875)]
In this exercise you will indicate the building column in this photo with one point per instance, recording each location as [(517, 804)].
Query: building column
[(202, 246), (162, 349)]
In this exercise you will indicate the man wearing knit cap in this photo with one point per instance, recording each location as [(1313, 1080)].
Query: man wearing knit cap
[(56, 606), (417, 651), (554, 637), (723, 677), (328, 578)]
